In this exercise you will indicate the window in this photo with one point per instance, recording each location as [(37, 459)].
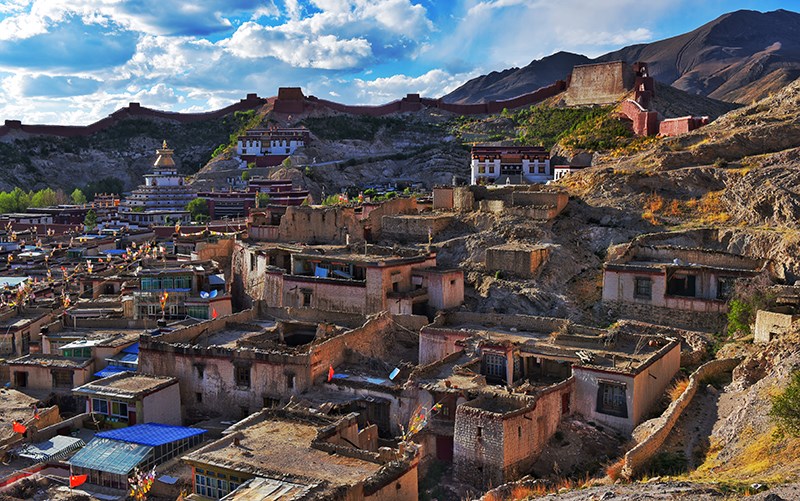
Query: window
[(290, 381), (99, 406), (62, 379), (494, 365), (725, 286), (480, 431), (243, 376), (611, 399), (481, 169), (306, 297), (20, 379), (491, 169), (644, 288), (252, 262), (119, 409), (209, 486)]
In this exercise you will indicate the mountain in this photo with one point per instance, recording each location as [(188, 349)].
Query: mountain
[(740, 57), (515, 81)]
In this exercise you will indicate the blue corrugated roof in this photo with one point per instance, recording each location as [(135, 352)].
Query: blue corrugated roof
[(151, 434), (110, 370), (111, 456), (134, 348)]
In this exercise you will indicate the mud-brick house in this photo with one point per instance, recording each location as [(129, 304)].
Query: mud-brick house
[(302, 457), (129, 398), (233, 365), (652, 282), (42, 374), (504, 383), (22, 330), (347, 279)]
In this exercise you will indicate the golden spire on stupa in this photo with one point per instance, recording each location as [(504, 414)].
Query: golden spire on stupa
[(164, 158)]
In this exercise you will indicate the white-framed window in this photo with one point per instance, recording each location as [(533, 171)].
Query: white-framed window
[(611, 398)]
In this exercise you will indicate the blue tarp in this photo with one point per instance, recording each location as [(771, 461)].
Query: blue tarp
[(111, 456), (110, 370), (134, 348), (151, 434)]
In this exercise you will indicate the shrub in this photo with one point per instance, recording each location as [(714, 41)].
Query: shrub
[(786, 407), (677, 388), (614, 470)]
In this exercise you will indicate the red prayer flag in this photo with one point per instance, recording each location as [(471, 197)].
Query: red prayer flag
[(214, 313), (19, 427), (76, 480), (330, 373)]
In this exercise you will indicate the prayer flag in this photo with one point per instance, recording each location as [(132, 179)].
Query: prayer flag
[(19, 427), (330, 373), (394, 373), (214, 313)]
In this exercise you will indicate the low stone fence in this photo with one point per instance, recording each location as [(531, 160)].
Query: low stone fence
[(638, 457)]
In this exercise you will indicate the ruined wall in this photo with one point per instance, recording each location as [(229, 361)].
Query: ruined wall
[(414, 228), (682, 125), (319, 225), (326, 294), (770, 324), (602, 83), (698, 320), (637, 458), (523, 261)]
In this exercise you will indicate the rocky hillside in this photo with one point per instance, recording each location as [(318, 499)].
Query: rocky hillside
[(124, 151), (739, 57)]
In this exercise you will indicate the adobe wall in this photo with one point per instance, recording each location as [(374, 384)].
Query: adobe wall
[(697, 320), (644, 122), (770, 325), (414, 228), (682, 125), (638, 457), (602, 83), (523, 261), (319, 225)]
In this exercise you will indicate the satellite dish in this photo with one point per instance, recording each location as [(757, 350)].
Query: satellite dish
[(213, 294), (204, 294)]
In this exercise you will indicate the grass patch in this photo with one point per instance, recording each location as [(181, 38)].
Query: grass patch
[(677, 388)]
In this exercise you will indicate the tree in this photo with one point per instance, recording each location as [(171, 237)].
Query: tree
[(245, 175), (786, 406), (287, 163), (262, 199), (90, 221), (44, 198), (78, 198), (198, 208)]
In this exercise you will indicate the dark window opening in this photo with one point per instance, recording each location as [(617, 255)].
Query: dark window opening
[(21, 379), (243, 377), (480, 431), (681, 285), (644, 288), (494, 367), (725, 287), (611, 399), (306, 298), (290, 381)]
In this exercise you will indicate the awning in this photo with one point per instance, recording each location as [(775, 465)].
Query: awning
[(55, 448), (111, 456), (218, 279)]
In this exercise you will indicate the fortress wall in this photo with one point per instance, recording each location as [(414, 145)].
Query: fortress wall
[(602, 83)]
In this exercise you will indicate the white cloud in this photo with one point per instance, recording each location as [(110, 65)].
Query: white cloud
[(434, 83)]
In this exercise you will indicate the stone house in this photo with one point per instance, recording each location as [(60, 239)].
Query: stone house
[(346, 279), (650, 283), (504, 383), (303, 456), (129, 398), (245, 361), (43, 374)]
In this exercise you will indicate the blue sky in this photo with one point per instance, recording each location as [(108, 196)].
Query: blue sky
[(76, 61)]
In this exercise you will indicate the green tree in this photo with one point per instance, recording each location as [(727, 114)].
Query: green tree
[(90, 221), (786, 406), (198, 208), (287, 163), (245, 175), (78, 198), (44, 198), (262, 199)]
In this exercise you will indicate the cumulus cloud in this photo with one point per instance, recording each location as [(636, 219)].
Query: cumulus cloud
[(50, 86), (434, 83)]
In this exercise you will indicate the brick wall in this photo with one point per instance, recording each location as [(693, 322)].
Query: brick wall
[(523, 261)]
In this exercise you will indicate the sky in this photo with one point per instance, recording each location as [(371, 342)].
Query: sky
[(76, 61)]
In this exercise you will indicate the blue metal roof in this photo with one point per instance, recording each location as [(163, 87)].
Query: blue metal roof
[(152, 434), (110, 370), (111, 456), (134, 348)]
